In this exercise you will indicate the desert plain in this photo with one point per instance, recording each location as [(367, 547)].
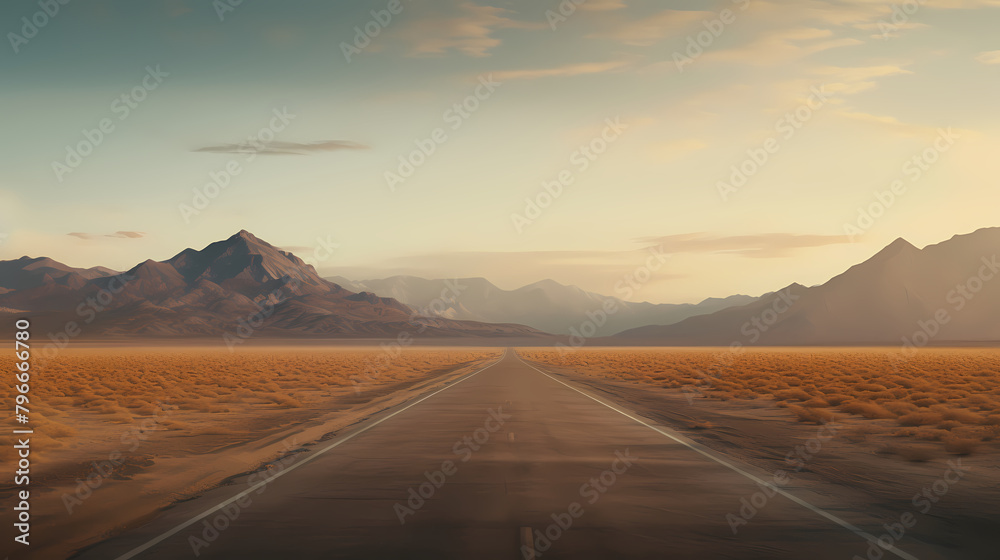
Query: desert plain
[(123, 433)]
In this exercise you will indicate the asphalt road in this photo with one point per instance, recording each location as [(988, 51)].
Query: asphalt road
[(504, 457)]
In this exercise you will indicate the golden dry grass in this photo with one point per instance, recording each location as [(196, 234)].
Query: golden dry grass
[(946, 395), (83, 391)]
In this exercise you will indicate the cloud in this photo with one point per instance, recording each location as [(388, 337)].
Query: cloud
[(667, 151), (650, 30), (887, 19), (767, 245), (768, 48), (562, 71), (783, 46), (956, 4), (602, 5), (463, 27), (849, 81), (889, 30), (284, 148), (989, 57), (892, 124), (115, 235)]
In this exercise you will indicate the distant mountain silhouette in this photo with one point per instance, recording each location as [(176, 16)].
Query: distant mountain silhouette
[(241, 284), (546, 305), (944, 293), (947, 292), (27, 272)]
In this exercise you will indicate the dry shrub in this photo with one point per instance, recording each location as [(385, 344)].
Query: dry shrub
[(870, 387), (112, 408), (920, 419), (866, 409), (813, 415), (45, 425), (792, 394), (899, 408), (959, 415), (284, 401), (960, 446), (147, 410), (836, 399)]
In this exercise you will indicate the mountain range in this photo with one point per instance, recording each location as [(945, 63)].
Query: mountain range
[(240, 286), (944, 293), (546, 305)]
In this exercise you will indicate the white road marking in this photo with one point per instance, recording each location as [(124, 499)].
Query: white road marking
[(527, 543), (153, 542), (703, 451)]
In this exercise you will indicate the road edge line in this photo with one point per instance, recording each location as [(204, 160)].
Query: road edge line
[(157, 540), (698, 448)]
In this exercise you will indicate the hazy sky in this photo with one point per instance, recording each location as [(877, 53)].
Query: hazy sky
[(302, 118)]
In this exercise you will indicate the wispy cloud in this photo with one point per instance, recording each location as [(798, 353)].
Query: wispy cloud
[(894, 125), (989, 57), (668, 151), (568, 70), (457, 26), (784, 46), (767, 245), (284, 148), (887, 30), (115, 235), (649, 30), (849, 81), (602, 5)]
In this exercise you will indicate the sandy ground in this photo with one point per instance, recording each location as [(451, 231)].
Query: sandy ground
[(106, 475)]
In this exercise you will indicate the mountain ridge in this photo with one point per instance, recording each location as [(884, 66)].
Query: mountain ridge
[(889, 298), (211, 291), (546, 304)]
